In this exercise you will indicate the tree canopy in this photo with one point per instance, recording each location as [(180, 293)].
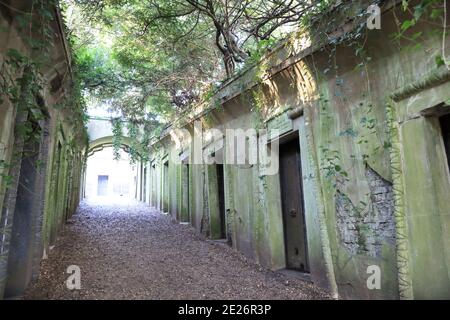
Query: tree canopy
[(151, 59)]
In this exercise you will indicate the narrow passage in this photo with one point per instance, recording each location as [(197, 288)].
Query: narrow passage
[(131, 251)]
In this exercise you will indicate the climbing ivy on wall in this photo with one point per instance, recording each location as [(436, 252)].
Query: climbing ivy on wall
[(21, 78), (21, 81), (324, 28)]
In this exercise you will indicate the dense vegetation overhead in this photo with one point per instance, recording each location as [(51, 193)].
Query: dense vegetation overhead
[(151, 59)]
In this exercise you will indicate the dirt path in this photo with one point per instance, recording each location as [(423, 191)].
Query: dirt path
[(134, 252)]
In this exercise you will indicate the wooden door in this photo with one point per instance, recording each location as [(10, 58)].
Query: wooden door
[(293, 209)]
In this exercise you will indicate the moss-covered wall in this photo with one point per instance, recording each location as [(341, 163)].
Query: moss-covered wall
[(39, 190), (375, 175)]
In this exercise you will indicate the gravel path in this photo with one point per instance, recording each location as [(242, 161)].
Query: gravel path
[(134, 252)]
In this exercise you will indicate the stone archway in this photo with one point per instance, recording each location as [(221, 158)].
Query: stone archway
[(106, 142)]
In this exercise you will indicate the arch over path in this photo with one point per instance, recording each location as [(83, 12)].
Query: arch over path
[(101, 135), (99, 127), (105, 142)]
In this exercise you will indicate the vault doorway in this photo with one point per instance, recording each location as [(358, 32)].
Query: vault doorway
[(185, 217), (25, 243), (166, 197), (102, 185), (144, 185), (445, 126), (292, 206), (221, 200)]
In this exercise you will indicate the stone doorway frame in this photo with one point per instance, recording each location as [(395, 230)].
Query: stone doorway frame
[(35, 246), (421, 186)]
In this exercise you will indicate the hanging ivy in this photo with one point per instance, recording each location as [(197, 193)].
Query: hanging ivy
[(134, 148), (117, 130), (21, 79)]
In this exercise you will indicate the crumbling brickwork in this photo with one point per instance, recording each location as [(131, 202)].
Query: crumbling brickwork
[(347, 222), (363, 230)]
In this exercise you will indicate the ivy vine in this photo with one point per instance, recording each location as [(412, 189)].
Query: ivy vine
[(117, 130), (22, 82)]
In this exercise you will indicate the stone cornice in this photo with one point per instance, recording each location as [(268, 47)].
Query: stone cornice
[(433, 79)]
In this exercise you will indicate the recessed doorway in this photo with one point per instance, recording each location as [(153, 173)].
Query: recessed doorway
[(292, 206), (102, 186)]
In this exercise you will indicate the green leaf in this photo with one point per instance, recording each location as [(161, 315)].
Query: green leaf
[(418, 11), (436, 13), (14, 54), (405, 5), (417, 46), (407, 24), (416, 35), (439, 61)]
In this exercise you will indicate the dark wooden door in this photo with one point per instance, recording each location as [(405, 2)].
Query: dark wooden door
[(445, 125), (166, 187), (292, 202), (220, 185)]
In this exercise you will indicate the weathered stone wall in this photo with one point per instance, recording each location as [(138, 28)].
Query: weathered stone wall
[(39, 190), (374, 166), (365, 230)]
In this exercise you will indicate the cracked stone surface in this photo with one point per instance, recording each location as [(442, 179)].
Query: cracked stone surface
[(131, 251), (364, 230)]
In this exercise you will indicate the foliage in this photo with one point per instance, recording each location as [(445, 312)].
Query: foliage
[(430, 12), (408, 37), (331, 166), (117, 130), (233, 26), (153, 58), (4, 167), (142, 76), (133, 133), (22, 82)]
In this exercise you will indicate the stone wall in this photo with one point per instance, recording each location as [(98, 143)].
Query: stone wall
[(40, 175), (365, 185), (364, 229)]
